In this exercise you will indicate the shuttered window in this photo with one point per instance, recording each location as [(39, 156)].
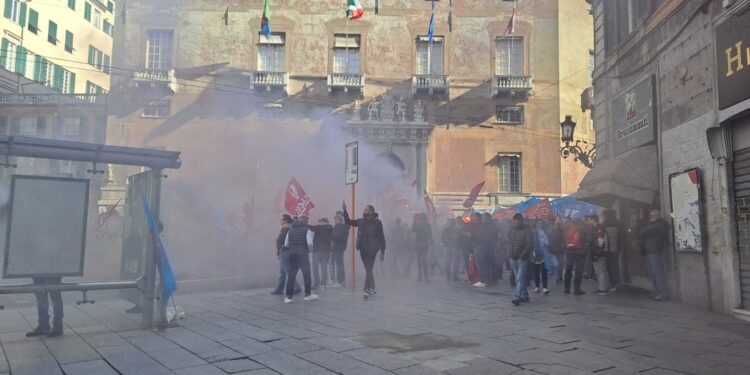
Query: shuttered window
[(429, 56), (346, 54), (52, 33), (509, 56), (271, 53), (33, 21)]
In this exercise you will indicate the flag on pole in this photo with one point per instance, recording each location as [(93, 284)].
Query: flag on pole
[(473, 195), (168, 281), (265, 22), (297, 203), (511, 28), (354, 9), (431, 30)]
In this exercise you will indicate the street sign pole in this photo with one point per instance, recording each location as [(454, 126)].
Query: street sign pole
[(351, 178)]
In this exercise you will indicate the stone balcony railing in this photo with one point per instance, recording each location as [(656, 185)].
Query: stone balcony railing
[(587, 99), (54, 99), (511, 84), (431, 83), (269, 80), (155, 77), (346, 81)]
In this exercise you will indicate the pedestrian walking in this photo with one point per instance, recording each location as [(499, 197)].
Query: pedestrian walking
[(486, 240), (422, 231), (370, 241), (339, 240), (655, 238), (521, 242), (299, 241), (599, 255), (453, 254), (321, 252), (283, 255), (541, 250), (42, 308), (614, 237), (575, 256)]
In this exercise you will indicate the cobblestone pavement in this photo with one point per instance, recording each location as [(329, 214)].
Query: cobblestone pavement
[(408, 329)]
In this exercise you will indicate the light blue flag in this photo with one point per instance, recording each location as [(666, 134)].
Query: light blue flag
[(431, 31), (168, 281)]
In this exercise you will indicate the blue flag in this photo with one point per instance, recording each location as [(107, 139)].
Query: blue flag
[(431, 31), (168, 281)]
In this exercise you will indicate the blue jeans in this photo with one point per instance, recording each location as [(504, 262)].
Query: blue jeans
[(656, 269), (520, 267), (284, 267)]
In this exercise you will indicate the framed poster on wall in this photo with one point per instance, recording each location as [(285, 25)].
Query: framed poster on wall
[(687, 210)]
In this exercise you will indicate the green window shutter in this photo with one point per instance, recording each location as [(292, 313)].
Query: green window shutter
[(43, 71), (4, 53), (22, 16), (52, 33), (20, 60), (87, 11), (37, 68), (8, 8), (68, 41), (33, 21), (106, 64), (92, 53), (72, 4), (57, 80), (72, 83)]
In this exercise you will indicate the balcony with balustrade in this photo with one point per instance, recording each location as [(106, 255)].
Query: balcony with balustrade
[(512, 85), (152, 78), (587, 99), (348, 82), (269, 81), (431, 84), (54, 100)]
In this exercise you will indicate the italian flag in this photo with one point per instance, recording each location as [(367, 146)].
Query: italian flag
[(354, 9)]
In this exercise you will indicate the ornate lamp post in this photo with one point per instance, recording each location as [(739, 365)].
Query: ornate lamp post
[(585, 154)]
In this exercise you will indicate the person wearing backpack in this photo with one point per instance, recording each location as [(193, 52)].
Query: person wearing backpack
[(599, 253), (575, 256)]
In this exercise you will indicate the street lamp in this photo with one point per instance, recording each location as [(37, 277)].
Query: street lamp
[(585, 154)]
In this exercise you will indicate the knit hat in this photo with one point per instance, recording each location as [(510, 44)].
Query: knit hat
[(324, 221)]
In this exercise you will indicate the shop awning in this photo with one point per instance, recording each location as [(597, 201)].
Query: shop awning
[(632, 176)]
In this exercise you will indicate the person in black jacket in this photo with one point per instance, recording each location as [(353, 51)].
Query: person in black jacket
[(370, 241), (283, 255), (521, 242), (655, 237), (485, 242), (339, 240), (450, 240), (422, 242), (321, 252)]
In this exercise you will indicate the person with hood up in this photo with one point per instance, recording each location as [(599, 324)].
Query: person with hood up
[(321, 252), (521, 241), (299, 241), (370, 241)]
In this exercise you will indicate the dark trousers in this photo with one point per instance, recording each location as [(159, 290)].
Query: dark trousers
[(368, 259), (574, 262), (338, 265), (613, 269), (540, 270), (486, 263), (453, 262), (320, 266), (422, 263), (42, 303), (298, 262)]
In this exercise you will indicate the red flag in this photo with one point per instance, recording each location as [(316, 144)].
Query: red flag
[(103, 219), (473, 195), (296, 202), (540, 211)]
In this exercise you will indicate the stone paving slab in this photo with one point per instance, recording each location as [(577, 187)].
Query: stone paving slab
[(408, 329)]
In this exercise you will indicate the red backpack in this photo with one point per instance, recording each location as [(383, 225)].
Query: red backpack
[(573, 237)]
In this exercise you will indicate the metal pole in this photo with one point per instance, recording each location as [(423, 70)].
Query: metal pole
[(68, 287), (147, 319), (161, 321), (351, 234)]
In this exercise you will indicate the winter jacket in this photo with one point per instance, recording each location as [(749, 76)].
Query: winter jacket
[(323, 237), (486, 234), (555, 236), (655, 236), (422, 235), (280, 239), (521, 241), (339, 237), (299, 239), (450, 237), (370, 236)]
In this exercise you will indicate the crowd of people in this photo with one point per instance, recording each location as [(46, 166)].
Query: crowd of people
[(476, 248)]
